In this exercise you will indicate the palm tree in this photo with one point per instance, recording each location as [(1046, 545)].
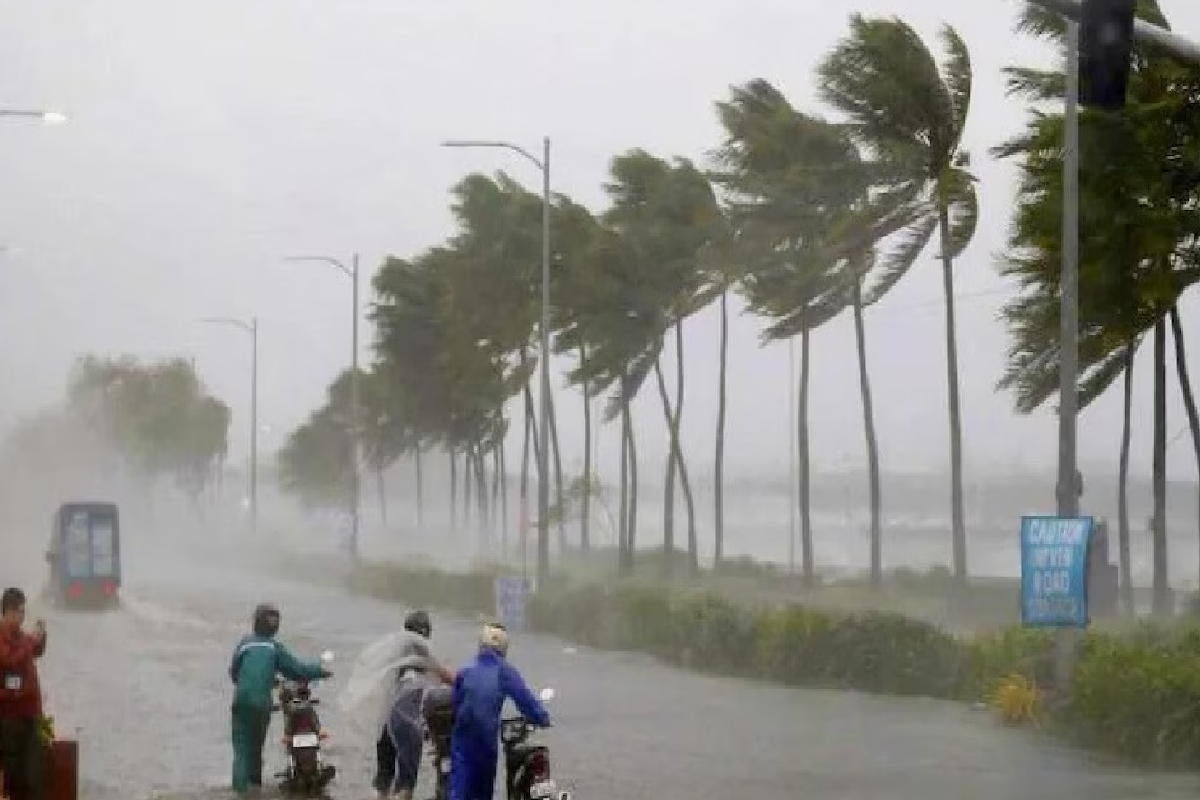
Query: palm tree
[(575, 229), (797, 185), (620, 327), (669, 216), (909, 115), (1138, 202)]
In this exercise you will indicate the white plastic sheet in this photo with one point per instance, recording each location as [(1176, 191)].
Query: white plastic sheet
[(371, 689)]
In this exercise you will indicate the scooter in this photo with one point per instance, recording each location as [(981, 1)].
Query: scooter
[(527, 766), (306, 773), (439, 720)]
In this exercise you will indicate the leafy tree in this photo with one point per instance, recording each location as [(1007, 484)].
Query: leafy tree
[(669, 217), (811, 226), (1140, 219), (156, 417), (909, 114), (618, 323), (317, 461), (575, 231)]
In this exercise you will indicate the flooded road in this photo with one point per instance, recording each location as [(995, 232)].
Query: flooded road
[(147, 690)]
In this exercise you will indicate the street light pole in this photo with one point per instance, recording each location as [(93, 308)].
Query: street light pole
[(356, 413), (1067, 489), (351, 272), (254, 422), (543, 563), (543, 163), (251, 328), (48, 117)]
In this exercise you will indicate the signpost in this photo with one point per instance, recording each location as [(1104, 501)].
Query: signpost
[(1054, 571), (511, 595)]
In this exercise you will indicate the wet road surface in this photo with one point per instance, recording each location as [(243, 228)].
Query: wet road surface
[(147, 690)]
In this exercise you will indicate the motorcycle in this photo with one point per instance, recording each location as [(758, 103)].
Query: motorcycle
[(527, 766), (306, 772), (439, 720)]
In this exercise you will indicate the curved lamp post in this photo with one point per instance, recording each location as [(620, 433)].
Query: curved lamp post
[(350, 272), (543, 163), (251, 328)]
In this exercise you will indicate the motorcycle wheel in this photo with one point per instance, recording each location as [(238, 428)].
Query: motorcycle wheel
[(307, 775)]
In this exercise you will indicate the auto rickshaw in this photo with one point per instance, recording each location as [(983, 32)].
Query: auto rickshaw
[(85, 555)]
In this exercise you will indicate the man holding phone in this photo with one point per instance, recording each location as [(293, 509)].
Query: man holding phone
[(22, 757)]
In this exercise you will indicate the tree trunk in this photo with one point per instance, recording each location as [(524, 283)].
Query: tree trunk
[(958, 523), (453, 491), (1185, 383), (1162, 599), (496, 473), (503, 470), (560, 496), (481, 498), (623, 565), (808, 567), (523, 493), (864, 384), (585, 514), (668, 566), (531, 422), (381, 488), (719, 460), (633, 491), (468, 481), (420, 488), (1124, 555), (688, 499)]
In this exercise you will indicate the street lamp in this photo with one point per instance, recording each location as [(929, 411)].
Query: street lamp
[(350, 272), (250, 328), (48, 117), (543, 553)]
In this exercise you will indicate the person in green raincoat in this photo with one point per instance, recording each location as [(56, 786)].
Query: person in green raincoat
[(256, 660)]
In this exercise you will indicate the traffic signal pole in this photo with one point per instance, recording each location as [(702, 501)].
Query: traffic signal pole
[(1143, 32), (1108, 41)]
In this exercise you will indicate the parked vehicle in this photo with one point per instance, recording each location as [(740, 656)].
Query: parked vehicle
[(84, 555), (306, 773)]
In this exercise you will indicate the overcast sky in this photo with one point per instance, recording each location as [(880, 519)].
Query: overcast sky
[(209, 138)]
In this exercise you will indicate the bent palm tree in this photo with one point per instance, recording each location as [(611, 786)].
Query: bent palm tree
[(909, 114)]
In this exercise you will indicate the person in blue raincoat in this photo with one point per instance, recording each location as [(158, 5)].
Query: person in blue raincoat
[(255, 662), (480, 689)]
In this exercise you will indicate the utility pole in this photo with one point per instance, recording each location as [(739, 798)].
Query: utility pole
[(254, 422), (356, 412), (1068, 368), (356, 426), (250, 328), (543, 163)]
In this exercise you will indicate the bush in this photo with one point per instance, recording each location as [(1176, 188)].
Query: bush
[(992, 657), (1134, 693), (1139, 697)]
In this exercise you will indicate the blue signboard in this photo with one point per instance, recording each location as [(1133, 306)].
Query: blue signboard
[(511, 594), (1054, 571)]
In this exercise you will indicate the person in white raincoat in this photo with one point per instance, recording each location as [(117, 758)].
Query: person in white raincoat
[(384, 698)]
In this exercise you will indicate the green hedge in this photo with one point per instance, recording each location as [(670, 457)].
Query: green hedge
[(1135, 693)]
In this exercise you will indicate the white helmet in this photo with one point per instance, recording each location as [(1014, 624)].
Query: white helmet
[(494, 636)]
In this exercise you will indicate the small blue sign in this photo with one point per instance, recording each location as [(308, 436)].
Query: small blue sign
[(1054, 554), (511, 595)]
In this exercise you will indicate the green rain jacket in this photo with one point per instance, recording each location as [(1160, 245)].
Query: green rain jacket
[(256, 660)]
